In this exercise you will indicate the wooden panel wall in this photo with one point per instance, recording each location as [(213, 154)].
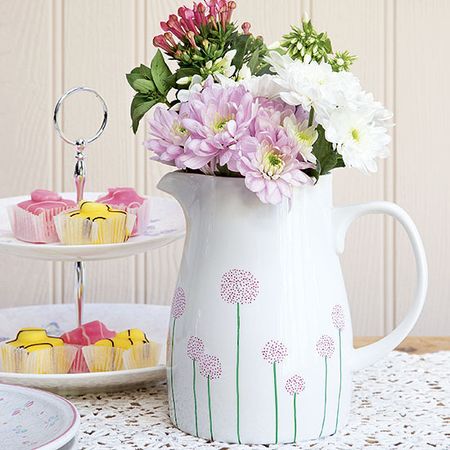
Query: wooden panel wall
[(48, 46)]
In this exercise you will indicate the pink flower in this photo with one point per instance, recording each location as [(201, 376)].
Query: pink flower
[(325, 346), (295, 384), (218, 121), (273, 169), (239, 286), (195, 348), (337, 316), (168, 136), (178, 303), (274, 352), (210, 366)]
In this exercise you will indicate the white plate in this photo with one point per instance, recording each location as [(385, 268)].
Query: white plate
[(32, 419), (166, 225), (57, 319)]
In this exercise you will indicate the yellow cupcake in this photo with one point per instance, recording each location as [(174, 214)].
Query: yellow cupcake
[(33, 351), (129, 349), (94, 223)]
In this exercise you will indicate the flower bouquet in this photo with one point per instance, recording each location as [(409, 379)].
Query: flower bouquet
[(279, 116)]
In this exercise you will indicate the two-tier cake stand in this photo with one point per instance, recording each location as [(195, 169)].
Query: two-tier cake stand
[(166, 225)]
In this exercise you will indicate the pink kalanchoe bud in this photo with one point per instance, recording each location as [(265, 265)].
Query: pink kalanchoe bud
[(231, 6), (170, 39), (160, 41), (191, 38), (187, 19), (199, 14), (246, 27), (174, 26), (212, 21)]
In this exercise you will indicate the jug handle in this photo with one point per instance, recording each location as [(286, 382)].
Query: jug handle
[(342, 218)]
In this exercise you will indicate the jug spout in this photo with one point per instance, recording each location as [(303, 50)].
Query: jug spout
[(181, 186)]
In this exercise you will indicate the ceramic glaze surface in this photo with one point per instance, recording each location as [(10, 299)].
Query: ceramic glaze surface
[(260, 347), (31, 419)]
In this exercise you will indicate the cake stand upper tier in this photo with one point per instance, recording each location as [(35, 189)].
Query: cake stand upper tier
[(166, 225)]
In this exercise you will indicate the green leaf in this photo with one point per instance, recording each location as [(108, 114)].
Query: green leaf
[(240, 45), (161, 73), (254, 62), (139, 106), (326, 156), (143, 86), (145, 71)]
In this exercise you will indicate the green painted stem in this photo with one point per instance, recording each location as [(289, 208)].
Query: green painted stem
[(340, 383), (210, 411), (276, 400), (325, 397), (195, 396), (171, 374), (238, 337), (295, 418)]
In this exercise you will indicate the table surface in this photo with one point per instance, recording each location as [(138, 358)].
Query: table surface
[(401, 402), (417, 345)]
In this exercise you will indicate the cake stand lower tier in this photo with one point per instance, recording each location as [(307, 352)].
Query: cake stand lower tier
[(57, 319)]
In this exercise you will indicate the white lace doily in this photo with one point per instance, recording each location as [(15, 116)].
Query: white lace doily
[(403, 402)]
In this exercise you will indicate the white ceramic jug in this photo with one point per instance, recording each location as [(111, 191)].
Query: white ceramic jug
[(260, 345)]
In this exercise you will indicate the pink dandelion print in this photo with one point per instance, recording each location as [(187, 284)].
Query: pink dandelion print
[(195, 350), (325, 349), (238, 287), (211, 369), (274, 353), (325, 346), (177, 310), (338, 319), (178, 303), (295, 385)]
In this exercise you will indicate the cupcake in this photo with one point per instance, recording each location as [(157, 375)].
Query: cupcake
[(129, 349), (127, 198), (33, 351), (94, 223), (86, 334), (33, 220)]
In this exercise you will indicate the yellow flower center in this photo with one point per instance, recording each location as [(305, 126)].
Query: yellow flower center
[(220, 122), (178, 129), (355, 134), (272, 164)]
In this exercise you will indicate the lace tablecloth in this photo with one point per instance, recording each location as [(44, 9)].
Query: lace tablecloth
[(403, 402)]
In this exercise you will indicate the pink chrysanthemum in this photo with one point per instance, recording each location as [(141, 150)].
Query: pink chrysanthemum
[(178, 303), (295, 384), (239, 286), (210, 366), (274, 352), (195, 348), (325, 346), (337, 316), (218, 122), (168, 136), (272, 164)]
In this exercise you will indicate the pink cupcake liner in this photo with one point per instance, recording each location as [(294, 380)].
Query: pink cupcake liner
[(34, 228)]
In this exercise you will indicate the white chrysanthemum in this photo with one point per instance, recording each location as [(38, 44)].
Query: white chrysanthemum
[(357, 139), (306, 84), (263, 86)]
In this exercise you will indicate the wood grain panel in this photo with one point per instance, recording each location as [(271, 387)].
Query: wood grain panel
[(423, 157), (25, 131), (363, 260)]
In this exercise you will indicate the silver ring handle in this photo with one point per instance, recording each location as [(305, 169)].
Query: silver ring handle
[(83, 141)]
